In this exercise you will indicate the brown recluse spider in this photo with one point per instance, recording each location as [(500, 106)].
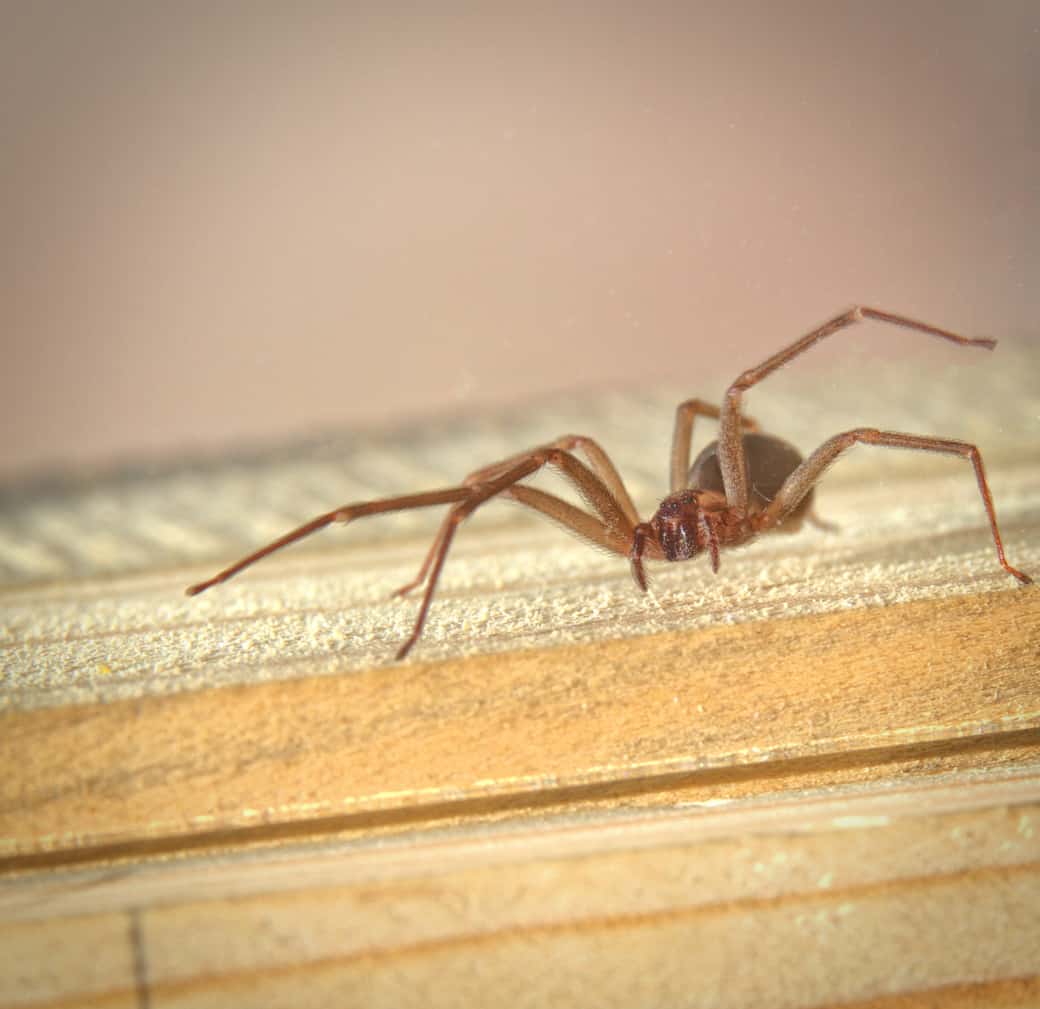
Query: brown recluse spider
[(743, 484)]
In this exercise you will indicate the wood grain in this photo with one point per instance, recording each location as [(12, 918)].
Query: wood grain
[(802, 902), (801, 694)]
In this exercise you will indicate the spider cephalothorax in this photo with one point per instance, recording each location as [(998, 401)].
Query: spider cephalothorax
[(744, 484), (692, 521)]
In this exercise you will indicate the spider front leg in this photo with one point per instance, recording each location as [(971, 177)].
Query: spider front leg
[(613, 530), (587, 526), (682, 438), (731, 447), (802, 480), (599, 462), (603, 488), (344, 514)]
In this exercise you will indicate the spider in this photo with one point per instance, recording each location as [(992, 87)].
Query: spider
[(744, 484)]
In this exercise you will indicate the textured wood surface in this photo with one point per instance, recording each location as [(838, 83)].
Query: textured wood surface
[(933, 890), (705, 714), (812, 780)]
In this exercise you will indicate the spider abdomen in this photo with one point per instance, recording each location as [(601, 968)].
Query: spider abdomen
[(768, 462)]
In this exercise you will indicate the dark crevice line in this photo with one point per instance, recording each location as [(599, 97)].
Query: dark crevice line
[(140, 961), (518, 802)]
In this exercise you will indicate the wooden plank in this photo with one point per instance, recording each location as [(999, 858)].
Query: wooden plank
[(79, 961), (812, 696), (790, 903)]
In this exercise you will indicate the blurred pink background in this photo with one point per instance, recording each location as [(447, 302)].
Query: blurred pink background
[(239, 221)]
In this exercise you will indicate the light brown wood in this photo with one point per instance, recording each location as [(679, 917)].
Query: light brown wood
[(812, 780), (824, 697), (931, 889)]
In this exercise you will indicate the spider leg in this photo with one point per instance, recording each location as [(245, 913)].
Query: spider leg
[(682, 437), (594, 487), (345, 514), (588, 527), (604, 469), (501, 478), (801, 481), (599, 484), (425, 566), (731, 448), (598, 460)]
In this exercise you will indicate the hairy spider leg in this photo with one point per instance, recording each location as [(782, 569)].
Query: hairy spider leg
[(606, 497), (597, 458), (588, 527), (731, 448), (802, 480), (590, 486), (682, 438), (345, 514)]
